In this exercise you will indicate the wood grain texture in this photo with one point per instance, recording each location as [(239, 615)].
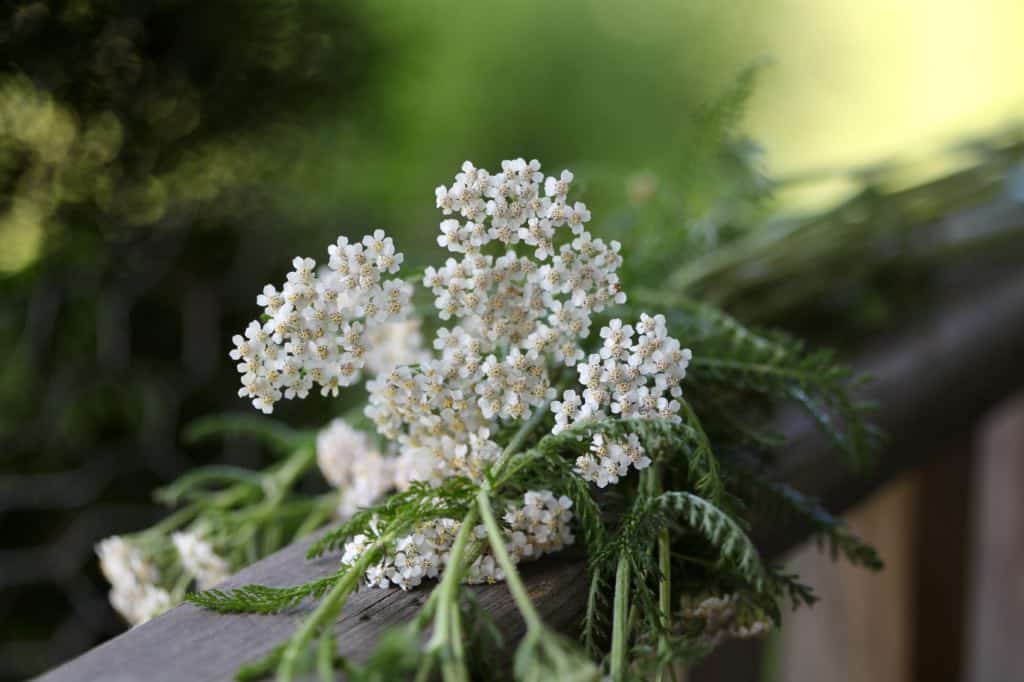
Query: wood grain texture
[(932, 384), (861, 630), (995, 650), (188, 643)]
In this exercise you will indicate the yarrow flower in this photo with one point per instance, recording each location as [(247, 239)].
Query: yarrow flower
[(517, 296), (637, 374), (608, 461), (392, 344), (200, 560), (510, 315), (721, 617), (133, 578), (539, 304), (538, 526), (314, 330), (350, 463), (629, 378)]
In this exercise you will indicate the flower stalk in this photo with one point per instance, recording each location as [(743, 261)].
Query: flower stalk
[(501, 555), (620, 620), (665, 577), (327, 611), (447, 638)]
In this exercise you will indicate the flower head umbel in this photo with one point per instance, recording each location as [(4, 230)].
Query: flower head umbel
[(350, 462), (537, 526), (133, 578), (511, 318), (200, 560), (516, 298), (630, 377), (313, 331), (543, 303)]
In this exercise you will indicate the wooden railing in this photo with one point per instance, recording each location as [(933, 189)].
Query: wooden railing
[(934, 381)]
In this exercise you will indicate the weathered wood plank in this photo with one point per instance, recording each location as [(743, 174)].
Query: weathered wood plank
[(906, 623), (996, 595), (861, 630), (189, 643), (933, 385)]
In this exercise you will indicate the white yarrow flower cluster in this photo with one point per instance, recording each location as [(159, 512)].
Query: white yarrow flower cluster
[(350, 463), (608, 461), (723, 618), (510, 314), (633, 378), (200, 560), (542, 524), (134, 591), (518, 296), (315, 333), (540, 304), (443, 412), (637, 374)]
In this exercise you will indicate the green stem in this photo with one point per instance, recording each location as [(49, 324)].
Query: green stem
[(180, 587), (446, 619), (590, 622), (325, 656), (512, 579), (322, 510), (297, 464), (455, 668), (447, 626), (419, 621), (516, 443), (620, 620), (328, 608), (175, 520), (665, 582)]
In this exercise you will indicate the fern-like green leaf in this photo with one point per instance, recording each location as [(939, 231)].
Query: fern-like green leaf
[(730, 356), (720, 529), (261, 598), (664, 440), (785, 501), (420, 502)]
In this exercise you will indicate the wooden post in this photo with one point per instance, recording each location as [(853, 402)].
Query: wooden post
[(861, 630), (940, 566), (995, 636)]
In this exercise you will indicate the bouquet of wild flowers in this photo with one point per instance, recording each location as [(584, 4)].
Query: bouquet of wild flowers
[(535, 419)]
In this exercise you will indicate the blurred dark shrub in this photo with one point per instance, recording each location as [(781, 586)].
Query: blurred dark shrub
[(140, 143)]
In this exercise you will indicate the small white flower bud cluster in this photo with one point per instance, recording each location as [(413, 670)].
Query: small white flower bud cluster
[(200, 560), (350, 463), (542, 304), (723, 618), (539, 526), (632, 379), (134, 591), (443, 412), (316, 326), (608, 461)]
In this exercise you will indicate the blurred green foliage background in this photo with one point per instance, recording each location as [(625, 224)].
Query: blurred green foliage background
[(160, 160)]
